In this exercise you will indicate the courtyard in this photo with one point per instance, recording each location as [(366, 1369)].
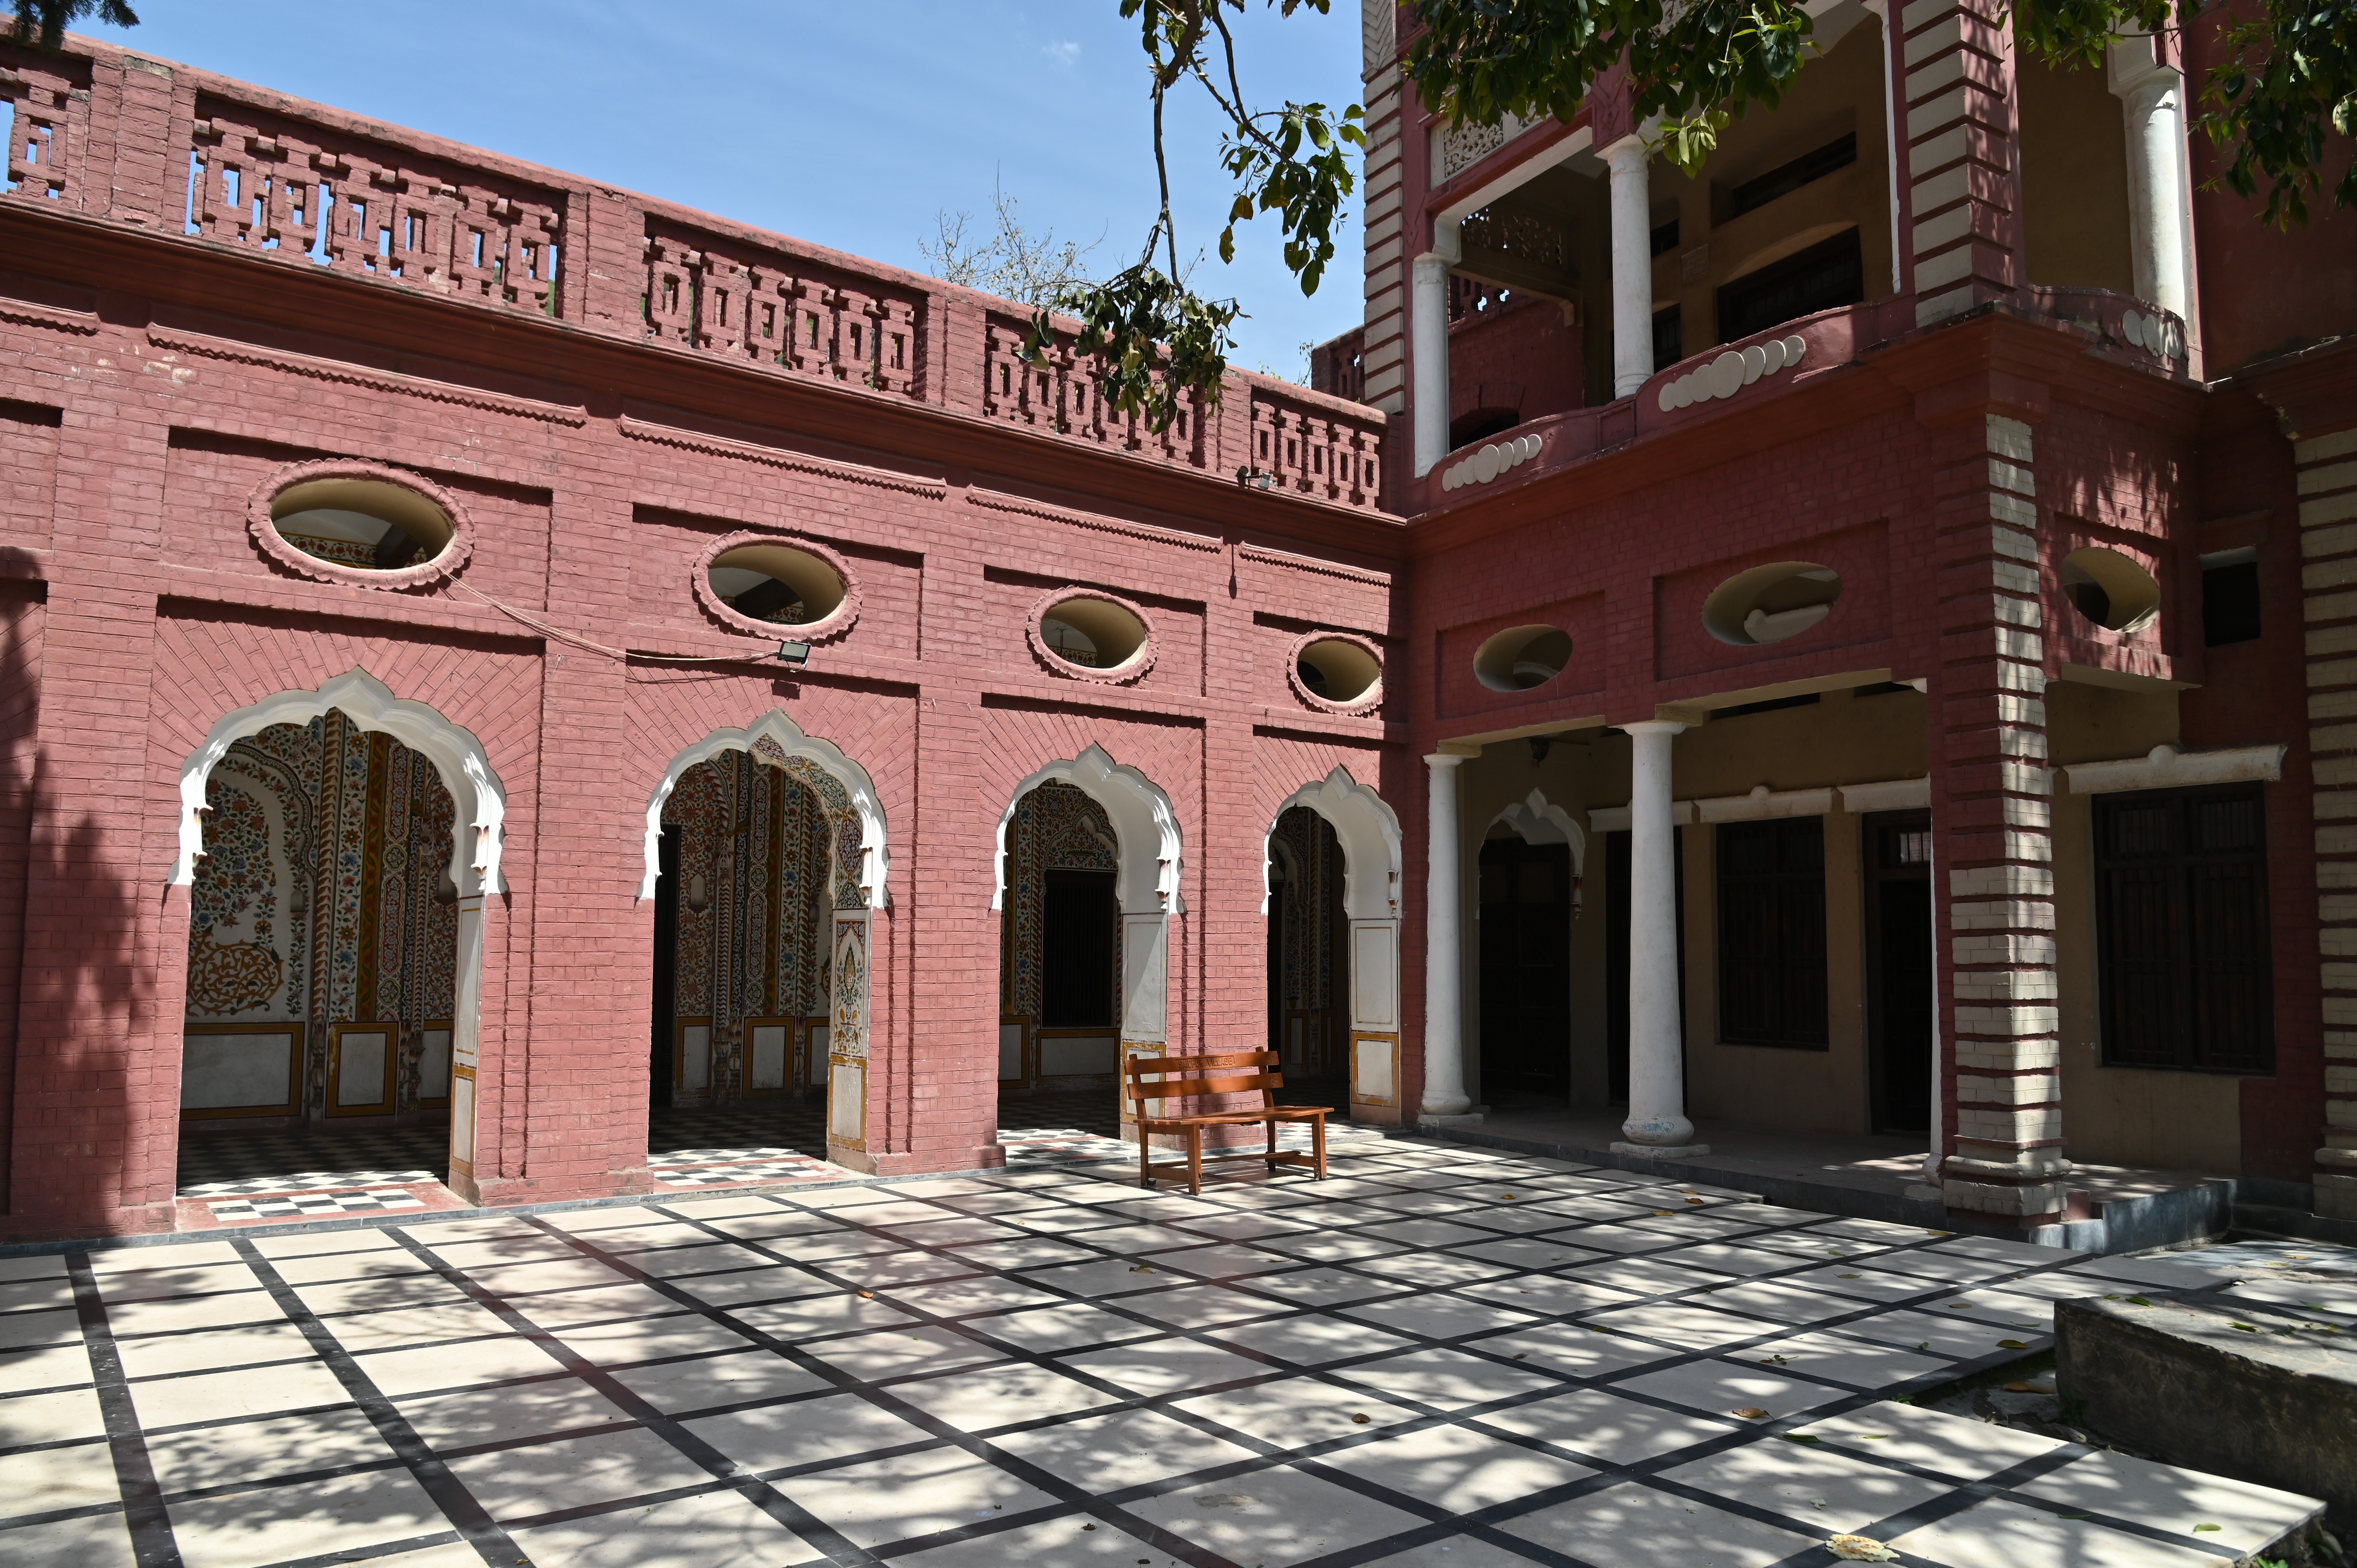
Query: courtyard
[(1439, 1356)]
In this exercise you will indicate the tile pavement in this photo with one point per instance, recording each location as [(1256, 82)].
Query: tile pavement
[(1440, 1355)]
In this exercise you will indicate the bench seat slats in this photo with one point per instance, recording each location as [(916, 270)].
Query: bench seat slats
[(1165, 1079)]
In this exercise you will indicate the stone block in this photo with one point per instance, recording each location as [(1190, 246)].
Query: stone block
[(2217, 1384)]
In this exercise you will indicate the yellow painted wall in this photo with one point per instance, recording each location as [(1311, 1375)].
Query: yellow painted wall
[(2074, 178), (2119, 1116)]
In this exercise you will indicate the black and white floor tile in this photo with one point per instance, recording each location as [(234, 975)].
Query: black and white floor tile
[(1439, 1356), (306, 1205)]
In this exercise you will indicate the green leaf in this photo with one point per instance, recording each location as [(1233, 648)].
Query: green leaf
[(2011, 1345)]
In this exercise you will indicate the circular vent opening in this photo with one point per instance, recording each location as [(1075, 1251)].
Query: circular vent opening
[(1768, 604), (1095, 634), (2110, 589), (369, 525), (777, 584), (1524, 657), (1339, 671)]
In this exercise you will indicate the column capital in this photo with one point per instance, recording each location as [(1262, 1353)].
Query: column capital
[(1654, 726), (1629, 153), (1440, 759), (1430, 266)]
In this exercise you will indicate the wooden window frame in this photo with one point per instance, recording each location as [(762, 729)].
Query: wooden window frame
[(2178, 967), (1785, 1034)]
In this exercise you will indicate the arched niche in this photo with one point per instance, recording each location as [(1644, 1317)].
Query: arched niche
[(455, 752), (776, 740), (1536, 819), (478, 817), (1147, 880), (1369, 834)]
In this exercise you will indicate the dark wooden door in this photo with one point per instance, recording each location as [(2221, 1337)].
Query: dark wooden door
[(1077, 926), (1899, 1000), (1526, 968)]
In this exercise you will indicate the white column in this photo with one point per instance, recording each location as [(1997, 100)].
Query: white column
[(1632, 265), (2153, 97), (1657, 1122), (1428, 330), (1443, 1039), (1894, 138)]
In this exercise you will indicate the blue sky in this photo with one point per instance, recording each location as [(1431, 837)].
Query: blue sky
[(848, 125)]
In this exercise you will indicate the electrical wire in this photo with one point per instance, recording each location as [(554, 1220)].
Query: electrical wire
[(576, 640)]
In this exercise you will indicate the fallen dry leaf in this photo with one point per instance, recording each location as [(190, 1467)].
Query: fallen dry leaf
[(1860, 1549), (1750, 1413), (1361, 1420)]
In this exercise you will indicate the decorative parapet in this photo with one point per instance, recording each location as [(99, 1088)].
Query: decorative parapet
[(1063, 395), (304, 192), (1309, 449), (777, 309), (186, 157)]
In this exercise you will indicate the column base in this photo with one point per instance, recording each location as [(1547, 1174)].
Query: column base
[(1471, 1118), (1663, 1150)]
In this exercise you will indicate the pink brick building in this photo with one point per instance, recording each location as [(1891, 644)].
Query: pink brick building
[(1869, 632)]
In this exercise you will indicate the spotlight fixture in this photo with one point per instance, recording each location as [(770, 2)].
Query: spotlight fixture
[(1252, 478), (793, 654)]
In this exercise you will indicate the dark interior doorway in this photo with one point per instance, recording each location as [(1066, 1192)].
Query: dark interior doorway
[(666, 941), (1898, 969), (1308, 952), (1616, 953), (1077, 922), (1526, 969)]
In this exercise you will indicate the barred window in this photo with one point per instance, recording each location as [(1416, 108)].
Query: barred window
[(1771, 933), (2182, 929)]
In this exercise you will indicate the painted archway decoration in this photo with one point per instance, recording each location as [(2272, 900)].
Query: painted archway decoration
[(856, 817), (1537, 819), (457, 755), (1370, 833), (1146, 881)]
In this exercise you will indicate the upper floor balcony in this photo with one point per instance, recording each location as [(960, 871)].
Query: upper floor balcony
[(1570, 289)]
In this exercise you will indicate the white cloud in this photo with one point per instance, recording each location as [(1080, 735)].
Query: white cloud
[(1066, 54)]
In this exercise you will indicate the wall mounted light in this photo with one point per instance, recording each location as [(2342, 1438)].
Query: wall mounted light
[(1252, 478), (793, 654)]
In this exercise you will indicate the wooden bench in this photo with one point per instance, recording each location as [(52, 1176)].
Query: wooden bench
[(1187, 1078)]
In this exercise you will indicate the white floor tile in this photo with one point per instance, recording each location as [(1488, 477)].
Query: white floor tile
[(1273, 1518), (1616, 1431)]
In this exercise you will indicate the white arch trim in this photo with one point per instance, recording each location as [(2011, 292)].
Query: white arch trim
[(1538, 820), (1148, 881), (1370, 835), (361, 697), (789, 738)]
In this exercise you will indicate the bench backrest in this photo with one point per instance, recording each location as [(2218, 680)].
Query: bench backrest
[(1184, 1078)]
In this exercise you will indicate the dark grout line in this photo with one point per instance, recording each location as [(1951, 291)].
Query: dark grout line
[(153, 1544), (458, 1504)]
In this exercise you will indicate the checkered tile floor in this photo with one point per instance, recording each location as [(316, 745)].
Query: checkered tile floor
[(233, 1162), (1439, 1356), (301, 1205)]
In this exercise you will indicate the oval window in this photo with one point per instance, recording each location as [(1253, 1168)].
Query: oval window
[(1093, 634), (2110, 589), (1768, 604), (369, 525), (1522, 658), (776, 584), (1339, 671)]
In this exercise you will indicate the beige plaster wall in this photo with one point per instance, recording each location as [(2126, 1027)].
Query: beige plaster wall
[(1840, 739), (1841, 92), (2119, 1116), (2074, 176)]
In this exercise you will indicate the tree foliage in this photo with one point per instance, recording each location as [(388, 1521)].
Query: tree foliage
[(43, 23)]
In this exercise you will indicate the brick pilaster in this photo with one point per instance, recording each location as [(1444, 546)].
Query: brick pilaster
[(1960, 172), (2328, 544), (1385, 356), (1995, 852)]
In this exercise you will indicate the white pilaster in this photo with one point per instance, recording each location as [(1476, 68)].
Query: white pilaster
[(1657, 1122), (1632, 265), (1443, 1039), (1428, 328), (1894, 138), (2153, 98)]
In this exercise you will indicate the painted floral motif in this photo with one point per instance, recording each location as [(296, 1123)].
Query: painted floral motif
[(361, 840), (1055, 827), (752, 882)]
